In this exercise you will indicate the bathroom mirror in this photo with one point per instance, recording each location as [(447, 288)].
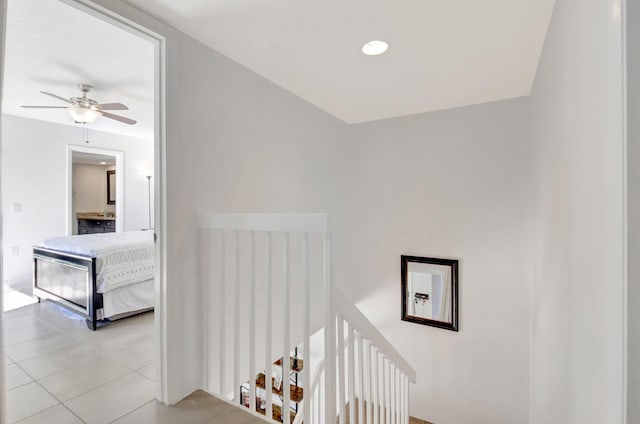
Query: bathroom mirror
[(430, 291), (111, 187)]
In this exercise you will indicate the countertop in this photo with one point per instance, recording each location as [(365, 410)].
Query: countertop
[(95, 216)]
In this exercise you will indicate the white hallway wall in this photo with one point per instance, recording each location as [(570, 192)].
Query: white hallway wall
[(270, 152), (447, 184), (577, 355), (257, 148), (34, 155)]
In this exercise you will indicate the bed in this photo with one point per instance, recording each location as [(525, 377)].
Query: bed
[(99, 276)]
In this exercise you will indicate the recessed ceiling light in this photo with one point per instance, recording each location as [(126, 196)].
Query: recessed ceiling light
[(374, 48), (103, 163)]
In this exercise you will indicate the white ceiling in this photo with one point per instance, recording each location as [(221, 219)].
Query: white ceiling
[(443, 53), (52, 47), (92, 159)]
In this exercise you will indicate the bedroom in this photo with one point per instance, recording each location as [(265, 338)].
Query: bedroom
[(62, 178)]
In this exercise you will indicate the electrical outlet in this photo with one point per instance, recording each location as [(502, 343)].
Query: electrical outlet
[(14, 250), (16, 207)]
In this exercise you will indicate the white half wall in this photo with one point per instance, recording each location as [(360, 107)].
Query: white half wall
[(34, 172), (577, 347)]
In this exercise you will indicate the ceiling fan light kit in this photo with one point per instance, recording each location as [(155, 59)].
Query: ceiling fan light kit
[(83, 115), (84, 110)]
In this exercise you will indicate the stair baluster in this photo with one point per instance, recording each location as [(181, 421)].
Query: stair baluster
[(357, 373)]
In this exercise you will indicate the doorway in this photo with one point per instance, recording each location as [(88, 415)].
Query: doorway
[(141, 176), (95, 190)]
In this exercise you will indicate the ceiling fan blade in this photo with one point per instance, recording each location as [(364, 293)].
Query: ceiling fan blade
[(119, 118), (112, 106), (57, 97), (44, 107)]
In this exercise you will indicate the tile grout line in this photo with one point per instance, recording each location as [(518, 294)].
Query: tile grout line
[(62, 370), (50, 394), (131, 412), (28, 340), (45, 389), (21, 385), (61, 403), (76, 340), (97, 387), (137, 370), (144, 376)]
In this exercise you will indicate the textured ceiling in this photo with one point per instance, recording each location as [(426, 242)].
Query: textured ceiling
[(52, 47), (443, 53)]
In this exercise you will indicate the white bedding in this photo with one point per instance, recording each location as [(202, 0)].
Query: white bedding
[(121, 258), (124, 300)]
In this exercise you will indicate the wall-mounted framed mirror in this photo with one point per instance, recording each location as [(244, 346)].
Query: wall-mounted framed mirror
[(111, 187), (430, 291)]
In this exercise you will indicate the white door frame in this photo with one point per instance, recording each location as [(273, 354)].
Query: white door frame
[(3, 403), (159, 188), (159, 184), (120, 218), (160, 208)]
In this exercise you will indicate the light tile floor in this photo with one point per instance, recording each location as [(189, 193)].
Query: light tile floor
[(16, 297), (58, 371)]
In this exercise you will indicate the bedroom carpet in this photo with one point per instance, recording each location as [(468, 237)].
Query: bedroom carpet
[(60, 372)]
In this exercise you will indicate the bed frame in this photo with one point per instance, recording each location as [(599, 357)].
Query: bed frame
[(69, 280)]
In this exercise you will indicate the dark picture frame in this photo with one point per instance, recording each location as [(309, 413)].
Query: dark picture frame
[(111, 187), (453, 264)]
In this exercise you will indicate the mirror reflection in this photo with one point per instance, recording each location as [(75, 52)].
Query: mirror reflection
[(111, 187), (429, 291)]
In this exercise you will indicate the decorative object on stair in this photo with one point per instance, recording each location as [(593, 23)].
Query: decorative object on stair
[(430, 291), (296, 392), (268, 293)]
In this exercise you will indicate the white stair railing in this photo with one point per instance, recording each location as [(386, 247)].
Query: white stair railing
[(373, 378), (271, 273)]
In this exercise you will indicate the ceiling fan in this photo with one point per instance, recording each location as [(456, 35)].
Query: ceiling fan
[(84, 110)]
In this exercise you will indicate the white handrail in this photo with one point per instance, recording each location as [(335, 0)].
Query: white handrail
[(348, 373), (356, 318), (274, 222)]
